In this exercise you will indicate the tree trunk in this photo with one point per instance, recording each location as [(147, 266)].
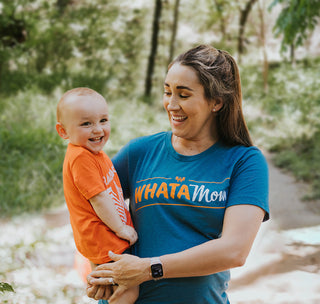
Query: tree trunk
[(244, 13), (292, 54), (220, 6), (174, 30), (62, 5), (263, 45), (154, 46)]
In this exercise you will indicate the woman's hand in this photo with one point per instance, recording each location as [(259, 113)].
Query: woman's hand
[(126, 271)]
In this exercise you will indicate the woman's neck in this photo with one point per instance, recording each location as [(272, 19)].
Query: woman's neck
[(191, 147)]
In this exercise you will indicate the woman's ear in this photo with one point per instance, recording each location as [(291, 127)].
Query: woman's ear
[(217, 104), (61, 131)]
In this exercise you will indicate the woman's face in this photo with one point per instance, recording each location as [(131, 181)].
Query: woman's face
[(190, 113)]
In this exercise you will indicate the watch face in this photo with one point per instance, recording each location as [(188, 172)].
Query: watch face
[(156, 270)]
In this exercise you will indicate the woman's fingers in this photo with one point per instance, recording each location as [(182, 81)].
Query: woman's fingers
[(102, 281), (127, 270), (100, 273), (114, 257)]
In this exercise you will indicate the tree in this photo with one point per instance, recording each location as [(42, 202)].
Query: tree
[(13, 33), (62, 5), (174, 30), (244, 13), (297, 19), (261, 10), (220, 7), (154, 46)]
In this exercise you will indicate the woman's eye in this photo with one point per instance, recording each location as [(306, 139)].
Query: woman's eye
[(167, 93), (184, 96)]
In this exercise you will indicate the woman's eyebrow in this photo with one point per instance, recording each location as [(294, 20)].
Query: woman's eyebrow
[(184, 88), (179, 87)]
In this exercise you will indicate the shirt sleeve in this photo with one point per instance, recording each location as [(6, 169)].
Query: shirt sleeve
[(86, 176), (250, 182), (121, 164)]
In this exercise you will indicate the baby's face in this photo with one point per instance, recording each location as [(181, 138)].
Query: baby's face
[(86, 121)]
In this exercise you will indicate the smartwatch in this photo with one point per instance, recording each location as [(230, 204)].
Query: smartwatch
[(156, 268)]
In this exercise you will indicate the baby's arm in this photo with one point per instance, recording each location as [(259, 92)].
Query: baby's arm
[(104, 207)]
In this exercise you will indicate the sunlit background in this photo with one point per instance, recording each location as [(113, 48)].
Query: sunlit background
[(122, 49)]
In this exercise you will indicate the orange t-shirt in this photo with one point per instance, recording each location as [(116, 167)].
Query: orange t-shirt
[(85, 175)]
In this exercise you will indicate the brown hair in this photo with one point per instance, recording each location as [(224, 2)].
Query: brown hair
[(219, 75)]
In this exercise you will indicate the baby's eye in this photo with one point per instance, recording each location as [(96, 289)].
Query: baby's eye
[(103, 120), (86, 124)]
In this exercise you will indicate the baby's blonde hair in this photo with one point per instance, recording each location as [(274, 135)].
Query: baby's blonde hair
[(81, 91)]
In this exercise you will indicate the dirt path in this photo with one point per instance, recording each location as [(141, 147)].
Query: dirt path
[(287, 209), (284, 265), (37, 254)]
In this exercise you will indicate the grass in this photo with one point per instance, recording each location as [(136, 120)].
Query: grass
[(284, 121), (33, 153), (301, 157), (31, 162), (288, 118)]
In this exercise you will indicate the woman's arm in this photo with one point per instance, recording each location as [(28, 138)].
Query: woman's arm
[(241, 224), (240, 227)]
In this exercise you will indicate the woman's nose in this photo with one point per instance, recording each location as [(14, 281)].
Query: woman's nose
[(173, 103)]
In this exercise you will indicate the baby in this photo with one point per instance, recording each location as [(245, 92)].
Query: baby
[(99, 217)]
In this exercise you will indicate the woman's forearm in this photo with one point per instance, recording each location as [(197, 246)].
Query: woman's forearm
[(211, 257), (231, 250), (241, 225)]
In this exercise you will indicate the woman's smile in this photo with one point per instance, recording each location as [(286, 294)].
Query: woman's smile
[(178, 118)]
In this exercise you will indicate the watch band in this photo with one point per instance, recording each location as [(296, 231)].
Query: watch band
[(155, 260)]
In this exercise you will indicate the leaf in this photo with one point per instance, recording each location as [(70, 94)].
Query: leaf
[(5, 287)]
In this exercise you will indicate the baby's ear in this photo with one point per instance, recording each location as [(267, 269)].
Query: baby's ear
[(61, 131)]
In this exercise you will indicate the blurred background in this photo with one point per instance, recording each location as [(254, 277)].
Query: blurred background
[(122, 49)]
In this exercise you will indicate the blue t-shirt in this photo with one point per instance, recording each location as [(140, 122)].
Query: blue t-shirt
[(179, 201)]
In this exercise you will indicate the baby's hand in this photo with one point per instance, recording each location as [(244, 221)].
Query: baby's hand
[(99, 292), (128, 233)]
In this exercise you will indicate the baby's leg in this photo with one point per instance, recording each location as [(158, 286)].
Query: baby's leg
[(128, 297)]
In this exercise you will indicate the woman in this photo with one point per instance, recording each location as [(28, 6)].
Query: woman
[(198, 193)]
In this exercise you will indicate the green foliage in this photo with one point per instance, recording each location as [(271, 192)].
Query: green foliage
[(32, 155), (64, 39), (104, 45), (4, 287), (296, 20), (301, 156), (289, 122)]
